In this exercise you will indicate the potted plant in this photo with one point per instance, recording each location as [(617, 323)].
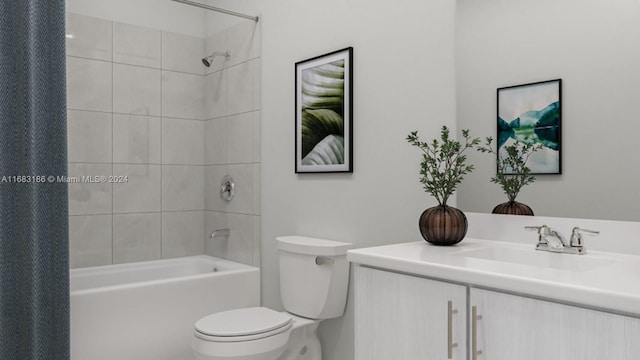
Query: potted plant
[(512, 173), (443, 167)]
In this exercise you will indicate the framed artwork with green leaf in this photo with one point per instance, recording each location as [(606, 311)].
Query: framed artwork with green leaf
[(324, 113)]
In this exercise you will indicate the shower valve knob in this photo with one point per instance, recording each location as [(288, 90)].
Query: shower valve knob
[(227, 188)]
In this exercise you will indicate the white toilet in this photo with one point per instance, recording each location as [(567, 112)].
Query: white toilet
[(314, 279)]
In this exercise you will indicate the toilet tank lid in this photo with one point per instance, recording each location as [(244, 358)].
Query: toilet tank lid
[(312, 246)]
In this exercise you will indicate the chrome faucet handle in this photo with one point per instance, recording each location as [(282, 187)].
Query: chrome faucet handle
[(542, 231), (576, 236), (546, 233)]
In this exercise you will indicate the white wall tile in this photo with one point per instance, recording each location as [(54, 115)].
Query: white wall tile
[(257, 136), (183, 53), (216, 94), (136, 90), (256, 73), (243, 41), (256, 46), (215, 141), (182, 187), (240, 138), (217, 42), (86, 197), (136, 139), (88, 136), (240, 89), (89, 240), (88, 84), (136, 45), (214, 220), (183, 141), (240, 241), (257, 190), (88, 37), (141, 191), (213, 177), (257, 240), (136, 237), (182, 233), (157, 121), (183, 95), (242, 202), (239, 246)]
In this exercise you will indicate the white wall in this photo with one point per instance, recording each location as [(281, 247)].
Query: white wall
[(593, 46), (404, 80), (165, 15)]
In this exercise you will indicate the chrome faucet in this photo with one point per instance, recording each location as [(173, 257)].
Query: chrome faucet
[(545, 234), (558, 242)]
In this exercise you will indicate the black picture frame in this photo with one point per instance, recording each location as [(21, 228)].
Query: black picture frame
[(324, 113), (533, 113)]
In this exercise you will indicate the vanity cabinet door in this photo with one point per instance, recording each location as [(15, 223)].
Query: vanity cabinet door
[(403, 317), (514, 327)]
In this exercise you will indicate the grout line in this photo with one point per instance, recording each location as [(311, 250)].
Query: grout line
[(161, 123), (113, 245), (140, 66), (160, 116), (148, 164)]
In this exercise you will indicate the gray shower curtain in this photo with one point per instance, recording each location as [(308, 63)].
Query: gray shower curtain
[(34, 250)]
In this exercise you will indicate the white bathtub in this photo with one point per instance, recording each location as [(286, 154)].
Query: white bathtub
[(146, 310)]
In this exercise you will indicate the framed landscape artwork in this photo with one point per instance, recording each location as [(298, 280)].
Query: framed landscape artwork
[(324, 115), (531, 113)]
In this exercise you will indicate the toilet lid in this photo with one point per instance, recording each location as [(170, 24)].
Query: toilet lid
[(242, 322)]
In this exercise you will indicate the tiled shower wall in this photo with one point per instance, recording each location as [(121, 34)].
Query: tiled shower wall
[(232, 143), (139, 104)]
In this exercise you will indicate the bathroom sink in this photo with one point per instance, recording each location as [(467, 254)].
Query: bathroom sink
[(531, 257)]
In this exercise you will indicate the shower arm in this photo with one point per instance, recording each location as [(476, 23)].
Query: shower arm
[(220, 53), (224, 11)]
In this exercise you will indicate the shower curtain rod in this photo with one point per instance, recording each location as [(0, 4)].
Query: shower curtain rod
[(229, 12)]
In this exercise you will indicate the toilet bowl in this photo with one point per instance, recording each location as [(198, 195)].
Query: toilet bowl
[(256, 334), (314, 279)]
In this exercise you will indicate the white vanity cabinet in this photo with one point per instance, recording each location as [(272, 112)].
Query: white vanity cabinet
[(516, 327), (404, 317)]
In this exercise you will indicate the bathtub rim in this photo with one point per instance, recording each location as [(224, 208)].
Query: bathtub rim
[(239, 268)]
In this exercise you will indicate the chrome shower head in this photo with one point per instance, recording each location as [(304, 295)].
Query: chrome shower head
[(207, 61)]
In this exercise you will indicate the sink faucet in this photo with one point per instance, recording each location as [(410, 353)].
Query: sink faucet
[(558, 242)]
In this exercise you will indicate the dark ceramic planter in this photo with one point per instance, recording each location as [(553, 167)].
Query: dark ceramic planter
[(443, 225), (513, 208)]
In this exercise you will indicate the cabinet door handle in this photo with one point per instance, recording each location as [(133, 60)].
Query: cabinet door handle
[(474, 333), (450, 343)]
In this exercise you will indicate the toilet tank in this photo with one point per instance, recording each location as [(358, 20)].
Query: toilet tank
[(314, 276)]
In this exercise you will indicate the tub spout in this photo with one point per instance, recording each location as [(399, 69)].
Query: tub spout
[(220, 233)]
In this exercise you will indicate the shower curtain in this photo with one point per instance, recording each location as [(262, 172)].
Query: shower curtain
[(34, 249)]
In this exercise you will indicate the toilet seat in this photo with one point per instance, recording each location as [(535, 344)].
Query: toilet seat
[(242, 325)]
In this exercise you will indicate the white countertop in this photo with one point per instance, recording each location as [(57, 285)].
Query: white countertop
[(598, 279)]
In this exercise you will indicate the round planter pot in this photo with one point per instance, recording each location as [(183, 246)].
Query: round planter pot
[(513, 208), (443, 225)]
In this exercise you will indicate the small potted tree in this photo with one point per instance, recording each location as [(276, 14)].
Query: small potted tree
[(442, 168), (512, 173)]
